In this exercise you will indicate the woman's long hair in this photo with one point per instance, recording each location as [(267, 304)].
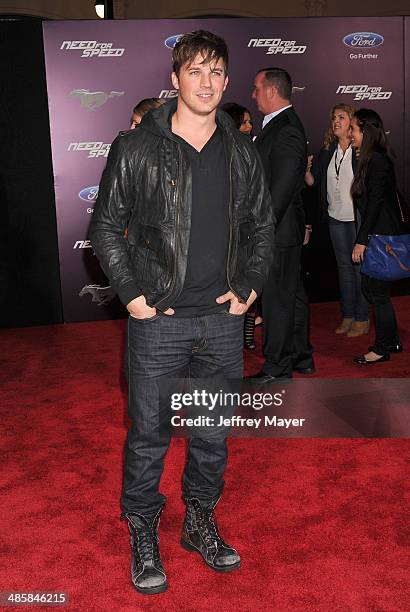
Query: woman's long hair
[(374, 139), (330, 138), (236, 112)]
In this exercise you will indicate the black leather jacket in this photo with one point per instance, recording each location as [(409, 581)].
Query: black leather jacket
[(141, 223)]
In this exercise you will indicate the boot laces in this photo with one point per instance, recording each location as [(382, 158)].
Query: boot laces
[(145, 542), (208, 529)]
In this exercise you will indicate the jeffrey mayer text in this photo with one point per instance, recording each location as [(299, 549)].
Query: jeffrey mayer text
[(236, 421)]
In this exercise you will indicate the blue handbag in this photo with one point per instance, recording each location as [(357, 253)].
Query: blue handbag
[(388, 257)]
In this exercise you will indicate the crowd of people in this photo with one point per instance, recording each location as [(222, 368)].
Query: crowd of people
[(355, 178), (331, 172), (196, 225)]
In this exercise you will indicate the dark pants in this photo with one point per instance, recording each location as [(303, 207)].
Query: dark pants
[(285, 311), (302, 349), (377, 293), (166, 347), (353, 302)]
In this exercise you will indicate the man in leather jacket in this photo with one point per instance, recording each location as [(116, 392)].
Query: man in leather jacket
[(183, 228)]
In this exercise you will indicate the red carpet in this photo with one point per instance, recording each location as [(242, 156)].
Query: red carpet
[(322, 525)]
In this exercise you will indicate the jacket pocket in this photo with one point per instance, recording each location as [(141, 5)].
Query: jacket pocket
[(245, 246), (150, 237), (245, 232), (151, 245)]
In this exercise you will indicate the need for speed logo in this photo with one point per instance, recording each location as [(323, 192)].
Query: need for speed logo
[(92, 48), (94, 149), (363, 40), (364, 92), (278, 45)]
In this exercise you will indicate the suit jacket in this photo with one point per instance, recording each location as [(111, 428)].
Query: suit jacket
[(378, 206), (282, 147)]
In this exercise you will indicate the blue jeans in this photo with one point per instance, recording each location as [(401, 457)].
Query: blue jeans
[(167, 347), (353, 302)]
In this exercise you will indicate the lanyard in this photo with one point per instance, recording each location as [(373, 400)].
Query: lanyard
[(337, 167)]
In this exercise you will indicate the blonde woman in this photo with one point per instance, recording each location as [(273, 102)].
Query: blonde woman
[(333, 174)]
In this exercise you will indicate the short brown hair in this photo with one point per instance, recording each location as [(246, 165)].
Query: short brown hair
[(210, 46), (147, 104), (280, 78)]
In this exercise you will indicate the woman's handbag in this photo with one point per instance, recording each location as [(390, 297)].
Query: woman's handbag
[(388, 257)]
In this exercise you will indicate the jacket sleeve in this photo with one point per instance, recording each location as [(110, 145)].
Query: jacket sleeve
[(264, 220), (319, 166), (112, 211), (377, 174), (287, 160)]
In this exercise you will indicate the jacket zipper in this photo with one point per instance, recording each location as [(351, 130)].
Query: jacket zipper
[(230, 228), (174, 183)]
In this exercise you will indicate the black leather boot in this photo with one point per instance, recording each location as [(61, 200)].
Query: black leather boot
[(200, 534), (147, 572)]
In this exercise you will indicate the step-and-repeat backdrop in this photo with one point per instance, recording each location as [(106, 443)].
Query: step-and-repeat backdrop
[(98, 71)]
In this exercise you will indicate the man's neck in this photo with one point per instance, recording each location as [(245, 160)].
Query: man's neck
[(195, 129), (278, 106)]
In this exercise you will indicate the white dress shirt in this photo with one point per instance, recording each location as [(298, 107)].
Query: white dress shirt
[(267, 118)]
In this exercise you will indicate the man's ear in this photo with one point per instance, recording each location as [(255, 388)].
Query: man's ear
[(226, 83), (175, 80), (272, 91)]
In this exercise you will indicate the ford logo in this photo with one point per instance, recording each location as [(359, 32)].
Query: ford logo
[(363, 40), (172, 41), (89, 194)]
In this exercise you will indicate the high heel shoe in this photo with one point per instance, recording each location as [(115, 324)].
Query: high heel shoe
[(249, 331), (358, 328), (344, 326)]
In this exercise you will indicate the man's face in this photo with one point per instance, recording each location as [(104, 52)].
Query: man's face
[(261, 93), (201, 85)]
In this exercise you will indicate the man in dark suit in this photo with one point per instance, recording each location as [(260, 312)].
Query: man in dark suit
[(285, 308)]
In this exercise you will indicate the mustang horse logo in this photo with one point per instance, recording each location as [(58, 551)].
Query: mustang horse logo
[(101, 295), (91, 100)]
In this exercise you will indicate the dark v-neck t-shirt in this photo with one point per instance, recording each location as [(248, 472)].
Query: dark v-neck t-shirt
[(205, 278)]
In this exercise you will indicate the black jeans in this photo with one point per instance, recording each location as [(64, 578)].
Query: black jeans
[(377, 293), (166, 347)]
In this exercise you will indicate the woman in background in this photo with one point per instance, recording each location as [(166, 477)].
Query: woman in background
[(243, 120), (374, 192), (241, 117), (333, 174)]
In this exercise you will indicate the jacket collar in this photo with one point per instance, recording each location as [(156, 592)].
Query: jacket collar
[(271, 116), (274, 122), (158, 120)]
